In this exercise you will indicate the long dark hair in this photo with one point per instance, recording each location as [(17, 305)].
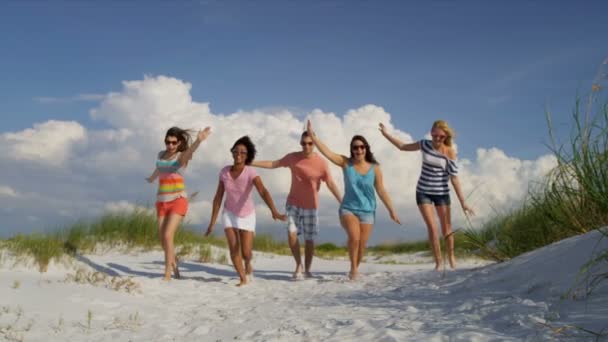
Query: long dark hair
[(182, 135), (369, 156), (251, 151)]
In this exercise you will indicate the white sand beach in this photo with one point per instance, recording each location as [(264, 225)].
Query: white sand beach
[(523, 299)]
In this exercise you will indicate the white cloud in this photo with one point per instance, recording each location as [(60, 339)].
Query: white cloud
[(106, 172), (7, 191), (124, 206), (48, 143)]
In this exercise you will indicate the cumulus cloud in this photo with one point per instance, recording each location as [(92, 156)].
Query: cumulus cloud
[(107, 170), (49, 143), (7, 191)]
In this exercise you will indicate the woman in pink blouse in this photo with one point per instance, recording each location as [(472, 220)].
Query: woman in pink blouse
[(237, 181)]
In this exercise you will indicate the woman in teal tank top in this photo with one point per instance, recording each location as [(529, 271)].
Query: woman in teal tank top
[(362, 179)]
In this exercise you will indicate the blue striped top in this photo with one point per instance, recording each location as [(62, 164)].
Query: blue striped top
[(436, 169)]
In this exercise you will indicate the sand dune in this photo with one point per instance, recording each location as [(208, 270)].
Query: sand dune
[(127, 301)]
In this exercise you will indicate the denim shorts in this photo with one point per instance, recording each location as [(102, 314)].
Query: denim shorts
[(422, 198), (364, 217)]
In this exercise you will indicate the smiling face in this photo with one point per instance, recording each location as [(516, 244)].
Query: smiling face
[(307, 145), (358, 149), (239, 154), (172, 143), (438, 135)]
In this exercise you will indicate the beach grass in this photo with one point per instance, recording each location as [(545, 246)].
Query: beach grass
[(572, 199)]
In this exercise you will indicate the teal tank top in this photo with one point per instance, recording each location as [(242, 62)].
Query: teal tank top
[(359, 190)]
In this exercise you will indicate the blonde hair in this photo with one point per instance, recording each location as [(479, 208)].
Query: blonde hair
[(449, 132)]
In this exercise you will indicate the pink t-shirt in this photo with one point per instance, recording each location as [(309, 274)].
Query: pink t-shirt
[(306, 177), (238, 191)]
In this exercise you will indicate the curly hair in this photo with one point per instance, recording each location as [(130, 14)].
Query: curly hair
[(369, 156), (249, 145)]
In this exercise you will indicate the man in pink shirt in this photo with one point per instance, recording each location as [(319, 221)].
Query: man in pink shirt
[(308, 169)]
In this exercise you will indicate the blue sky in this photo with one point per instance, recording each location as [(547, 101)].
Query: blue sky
[(489, 68)]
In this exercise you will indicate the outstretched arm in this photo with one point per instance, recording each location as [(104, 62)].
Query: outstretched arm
[(266, 164), (331, 185), (185, 156), (335, 158), (257, 181), (386, 199), (398, 143), (153, 176), (217, 203)]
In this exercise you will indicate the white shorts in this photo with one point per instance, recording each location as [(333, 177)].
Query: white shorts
[(232, 221)]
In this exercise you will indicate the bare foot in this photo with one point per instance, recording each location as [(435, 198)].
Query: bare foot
[(297, 274), (307, 274), (452, 262), (176, 269), (243, 282), (167, 276), (437, 267), (353, 275)]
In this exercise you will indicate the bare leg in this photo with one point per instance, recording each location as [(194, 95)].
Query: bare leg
[(171, 225), (246, 238), (366, 230), (232, 236), (443, 211), (309, 252), (351, 225), (294, 244), (427, 214)]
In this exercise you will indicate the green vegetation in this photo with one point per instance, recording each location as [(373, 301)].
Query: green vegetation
[(573, 198)]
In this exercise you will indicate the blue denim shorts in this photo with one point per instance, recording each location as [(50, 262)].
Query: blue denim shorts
[(422, 198), (364, 217)]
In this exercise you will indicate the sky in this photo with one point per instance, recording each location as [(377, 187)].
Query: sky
[(88, 90)]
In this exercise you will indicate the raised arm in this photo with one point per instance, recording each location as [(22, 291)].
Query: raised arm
[(257, 181), (266, 164), (217, 203), (335, 158), (398, 143), (185, 156), (456, 184), (384, 197)]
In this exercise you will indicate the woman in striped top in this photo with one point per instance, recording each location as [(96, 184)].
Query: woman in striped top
[(171, 199), (438, 166)]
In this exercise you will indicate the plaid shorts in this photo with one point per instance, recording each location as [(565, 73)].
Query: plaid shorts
[(304, 221)]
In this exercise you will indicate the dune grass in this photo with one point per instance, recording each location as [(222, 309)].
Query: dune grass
[(572, 199)]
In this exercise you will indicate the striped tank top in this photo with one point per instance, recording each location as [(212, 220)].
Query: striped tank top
[(436, 168), (170, 180), (359, 190)]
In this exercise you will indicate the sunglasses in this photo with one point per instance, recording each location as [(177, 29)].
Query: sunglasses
[(439, 136), (171, 142), (358, 147), (306, 143), (243, 153)]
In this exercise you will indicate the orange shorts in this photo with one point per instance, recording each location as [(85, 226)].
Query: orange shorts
[(177, 206)]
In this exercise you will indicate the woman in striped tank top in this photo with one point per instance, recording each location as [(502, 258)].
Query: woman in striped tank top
[(438, 166), (171, 199), (362, 180)]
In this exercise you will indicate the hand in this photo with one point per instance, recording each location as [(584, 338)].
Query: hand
[(394, 217), (309, 128), (203, 134), (209, 230), (150, 179), (382, 128), (279, 216), (467, 210)]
